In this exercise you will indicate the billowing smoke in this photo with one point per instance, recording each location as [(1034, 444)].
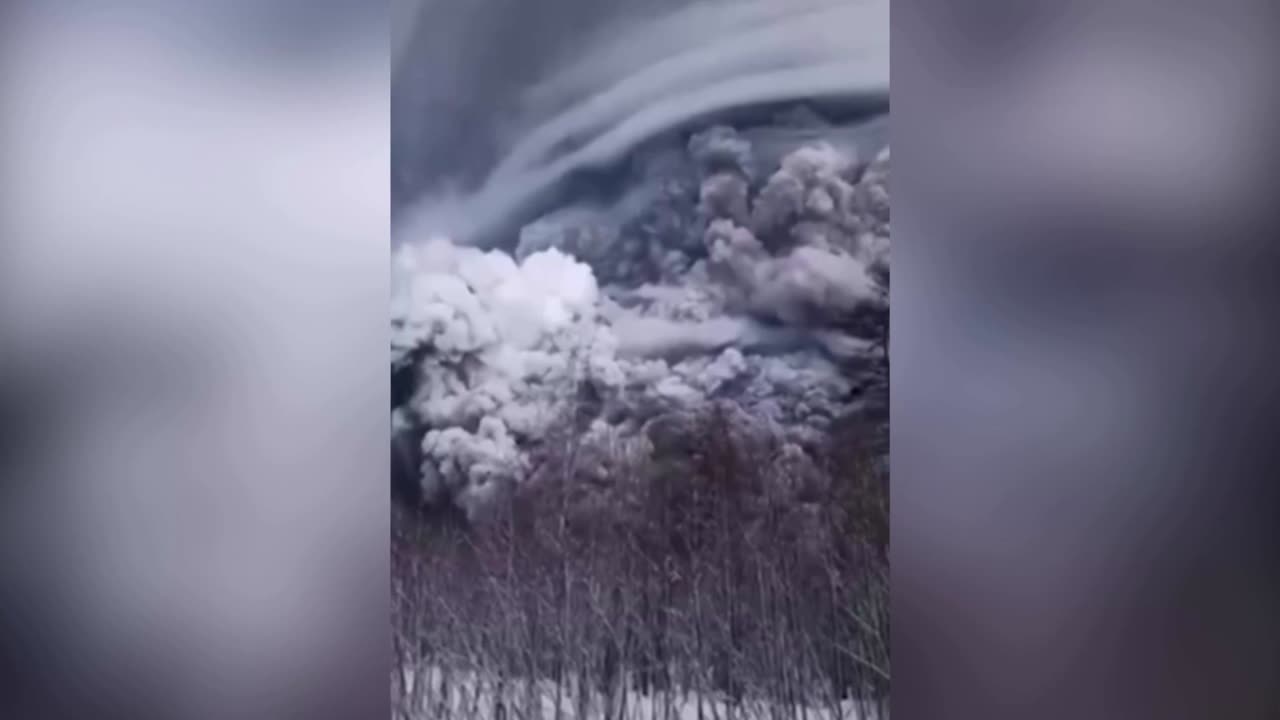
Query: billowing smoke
[(756, 292), (678, 207)]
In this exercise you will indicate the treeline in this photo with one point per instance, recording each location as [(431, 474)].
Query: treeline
[(728, 577)]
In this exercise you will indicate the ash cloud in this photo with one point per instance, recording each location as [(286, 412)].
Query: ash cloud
[(681, 211), (504, 347)]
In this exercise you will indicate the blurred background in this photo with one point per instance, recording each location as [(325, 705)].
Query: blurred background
[(194, 199), (1083, 313), (192, 293)]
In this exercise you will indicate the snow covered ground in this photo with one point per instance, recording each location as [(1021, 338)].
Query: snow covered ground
[(437, 694)]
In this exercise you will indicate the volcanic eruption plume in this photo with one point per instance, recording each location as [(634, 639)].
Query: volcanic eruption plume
[(692, 212)]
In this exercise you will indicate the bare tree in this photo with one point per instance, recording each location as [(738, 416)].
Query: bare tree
[(712, 580)]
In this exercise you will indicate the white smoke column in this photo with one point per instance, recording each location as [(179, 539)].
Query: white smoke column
[(502, 344)]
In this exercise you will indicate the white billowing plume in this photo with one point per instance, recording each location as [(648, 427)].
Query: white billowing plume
[(498, 342), (456, 300)]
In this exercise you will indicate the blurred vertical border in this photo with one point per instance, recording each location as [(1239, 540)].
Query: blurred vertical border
[(193, 289), (1084, 393)]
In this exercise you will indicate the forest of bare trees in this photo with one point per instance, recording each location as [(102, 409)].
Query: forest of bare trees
[(711, 582)]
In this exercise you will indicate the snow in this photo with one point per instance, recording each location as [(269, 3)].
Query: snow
[(475, 696)]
